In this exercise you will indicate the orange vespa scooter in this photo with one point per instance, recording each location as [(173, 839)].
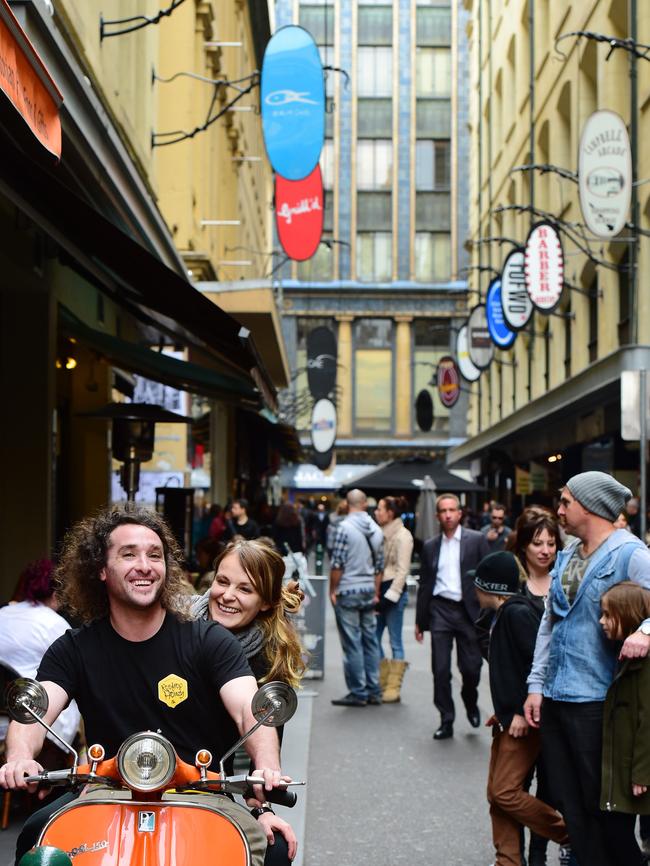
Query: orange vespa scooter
[(147, 823)]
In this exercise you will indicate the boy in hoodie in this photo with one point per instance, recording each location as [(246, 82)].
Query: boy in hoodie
[(356, 569), (515, 745)]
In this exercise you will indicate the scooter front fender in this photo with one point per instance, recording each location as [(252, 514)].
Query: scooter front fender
[(134, 833)]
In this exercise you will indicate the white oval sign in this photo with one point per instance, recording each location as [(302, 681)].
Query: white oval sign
[(517, 306), (479, 343), (467, 369), (323, 425), (544, 267), (605, 173)]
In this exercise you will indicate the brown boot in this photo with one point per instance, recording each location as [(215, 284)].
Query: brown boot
[(384, 671), (395, 676)]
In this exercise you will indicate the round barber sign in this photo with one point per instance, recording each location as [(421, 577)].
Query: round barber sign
[(299, 214), (517, 306), (293, 102), (479, 344), (467, 369), (448, 381), (544, 267), (605, 173), (323, 426), (501, 335)]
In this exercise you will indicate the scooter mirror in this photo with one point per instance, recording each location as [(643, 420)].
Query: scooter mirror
[(275, 696), (23, 695)]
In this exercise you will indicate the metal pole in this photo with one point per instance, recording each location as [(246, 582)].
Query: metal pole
[(634, 153), (643, 440)]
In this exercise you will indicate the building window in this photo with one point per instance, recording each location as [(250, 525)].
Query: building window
[(433, 211), (374, 24), (374, 118), (375, 72), (373, 375), (374, 256), (319, 268), (433, 25), (593, 320), (433, 118), (374, 164), (374, 212), (431, 340), (432, 165), (432, 257), (433, 72), (318, 19), (327, 163), (624, 300)]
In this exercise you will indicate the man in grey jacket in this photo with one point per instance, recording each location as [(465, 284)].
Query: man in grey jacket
[(355, 575)]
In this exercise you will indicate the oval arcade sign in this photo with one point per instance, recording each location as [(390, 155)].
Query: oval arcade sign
[(321, 361), (323, 426), (293, 102), (467, 369), (544, 267), (299, 214), (448, 381), (501, 335), (517, 306), (605, 173), (479, 344), (424, 410)]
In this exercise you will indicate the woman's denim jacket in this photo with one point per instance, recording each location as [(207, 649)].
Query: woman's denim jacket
[(574, 661)]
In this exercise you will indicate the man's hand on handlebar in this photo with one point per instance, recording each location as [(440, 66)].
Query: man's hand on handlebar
[(12, 775), (272, 779)]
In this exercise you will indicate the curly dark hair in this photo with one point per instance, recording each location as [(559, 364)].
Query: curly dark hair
[(84, 553)]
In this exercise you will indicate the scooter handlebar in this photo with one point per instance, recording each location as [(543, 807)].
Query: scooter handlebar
[(282, 797)]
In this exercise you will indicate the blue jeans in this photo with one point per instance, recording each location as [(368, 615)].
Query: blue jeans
[(392, 619), (355, 620)]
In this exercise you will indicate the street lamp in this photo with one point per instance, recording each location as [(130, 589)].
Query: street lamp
[(134, 430)]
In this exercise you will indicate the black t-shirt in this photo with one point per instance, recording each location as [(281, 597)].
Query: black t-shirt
[(169, 683)]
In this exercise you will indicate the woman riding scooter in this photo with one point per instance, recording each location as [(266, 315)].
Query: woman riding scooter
[(248, 597)]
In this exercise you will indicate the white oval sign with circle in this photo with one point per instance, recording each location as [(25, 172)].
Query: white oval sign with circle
[(544, 267), (479, 343), (323, 425), (517, 306), (467, 369), (605, 173)]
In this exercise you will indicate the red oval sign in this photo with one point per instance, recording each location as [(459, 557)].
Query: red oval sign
[(299, 214), (448, 380)]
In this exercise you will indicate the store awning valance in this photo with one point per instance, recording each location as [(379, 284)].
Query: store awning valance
[(402, 476), (159, 367)]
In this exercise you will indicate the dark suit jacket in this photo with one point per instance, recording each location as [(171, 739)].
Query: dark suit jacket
[(473, 547)]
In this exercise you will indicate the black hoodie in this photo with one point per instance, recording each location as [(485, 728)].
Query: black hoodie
[(511, 650)]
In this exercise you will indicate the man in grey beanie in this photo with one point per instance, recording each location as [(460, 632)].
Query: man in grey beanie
[(574, 663)]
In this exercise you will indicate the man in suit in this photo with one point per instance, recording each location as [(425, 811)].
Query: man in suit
[(447, 606)]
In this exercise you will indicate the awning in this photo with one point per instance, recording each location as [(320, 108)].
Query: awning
[(407, 476), (26, 83), (161, 368), (126, 271)]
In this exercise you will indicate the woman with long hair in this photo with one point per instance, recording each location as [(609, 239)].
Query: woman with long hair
[(535, 542), (248, 597), (393, 597)]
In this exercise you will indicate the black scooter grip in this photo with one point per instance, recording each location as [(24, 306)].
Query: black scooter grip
[(279, 796)]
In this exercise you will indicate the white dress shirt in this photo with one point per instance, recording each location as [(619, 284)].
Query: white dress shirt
[(448, 583)]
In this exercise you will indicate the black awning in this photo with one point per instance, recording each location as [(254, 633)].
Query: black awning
[(399, 476), (119, 264), (160, 367)]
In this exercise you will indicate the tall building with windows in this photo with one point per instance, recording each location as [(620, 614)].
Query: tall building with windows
[(389, 276)]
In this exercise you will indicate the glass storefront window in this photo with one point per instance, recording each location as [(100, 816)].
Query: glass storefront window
[(375, 71), (432, 256), (374, 256), (373, 375)]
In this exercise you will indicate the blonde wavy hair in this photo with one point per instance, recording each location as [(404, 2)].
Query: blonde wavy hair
[(265, 568), (84, 554)]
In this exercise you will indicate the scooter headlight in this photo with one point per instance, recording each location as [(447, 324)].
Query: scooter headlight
[(146, 761)]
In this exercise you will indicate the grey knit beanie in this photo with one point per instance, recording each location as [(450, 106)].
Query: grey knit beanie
[(599, 493)]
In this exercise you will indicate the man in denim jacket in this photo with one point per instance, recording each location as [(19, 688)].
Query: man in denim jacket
[(574, 664)]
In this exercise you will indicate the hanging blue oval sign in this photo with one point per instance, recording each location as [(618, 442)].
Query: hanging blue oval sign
[(293, 102), (500, 333)]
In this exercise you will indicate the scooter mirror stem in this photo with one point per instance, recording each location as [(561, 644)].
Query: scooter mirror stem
[(243, 739), (59, 739)]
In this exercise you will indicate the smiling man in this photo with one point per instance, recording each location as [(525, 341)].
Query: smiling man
[(138, 662)]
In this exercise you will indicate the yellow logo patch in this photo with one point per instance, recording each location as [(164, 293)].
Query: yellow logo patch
[(172, 690)]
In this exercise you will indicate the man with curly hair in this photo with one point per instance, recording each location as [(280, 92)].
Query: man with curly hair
[(139, 662)]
